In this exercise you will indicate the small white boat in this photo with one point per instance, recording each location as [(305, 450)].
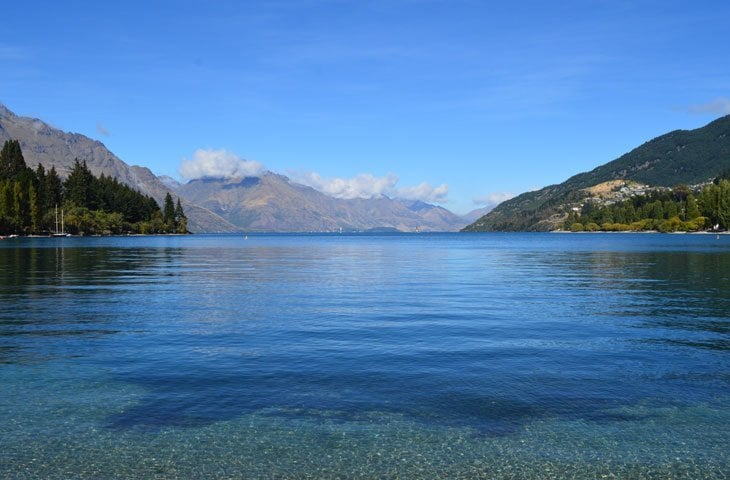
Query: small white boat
[(60, 233)]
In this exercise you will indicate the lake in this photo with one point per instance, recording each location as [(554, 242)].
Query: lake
[(366, 356)]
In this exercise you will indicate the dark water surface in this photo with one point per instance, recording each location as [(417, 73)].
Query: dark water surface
[(365, 356)]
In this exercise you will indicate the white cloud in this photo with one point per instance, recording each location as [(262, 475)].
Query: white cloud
[(366, 185), (425, 193), (719, 105), (493, 199), (211, 163)]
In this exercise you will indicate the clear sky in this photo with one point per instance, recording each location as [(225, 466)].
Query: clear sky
[(452, 101)]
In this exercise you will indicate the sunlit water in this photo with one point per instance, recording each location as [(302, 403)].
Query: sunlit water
[(412, 356)]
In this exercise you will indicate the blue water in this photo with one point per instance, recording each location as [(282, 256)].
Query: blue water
[(366, 356)]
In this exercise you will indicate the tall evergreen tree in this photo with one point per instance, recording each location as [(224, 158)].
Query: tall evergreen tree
[(54, 189), (34, 209), (168, 212), (6, 207), (181, 221), (5, 198), (12, 163), (20, 207), (40, 186), (78, 188)]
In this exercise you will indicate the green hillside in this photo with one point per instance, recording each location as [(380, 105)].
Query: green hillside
[(679, 157)]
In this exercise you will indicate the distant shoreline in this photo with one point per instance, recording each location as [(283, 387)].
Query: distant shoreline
[(725, 232)]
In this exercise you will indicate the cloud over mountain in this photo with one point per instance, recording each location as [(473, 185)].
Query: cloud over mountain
[(366, 185), (425, 192), (363, 185), (218, 163)]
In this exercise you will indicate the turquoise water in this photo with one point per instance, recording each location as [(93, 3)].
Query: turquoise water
[(365, 356)]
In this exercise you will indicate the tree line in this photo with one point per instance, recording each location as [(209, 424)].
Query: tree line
[(31, 202), (670, 210)]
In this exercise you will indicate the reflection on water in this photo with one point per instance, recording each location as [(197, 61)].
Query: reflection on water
[(590, 355), (683, 296)]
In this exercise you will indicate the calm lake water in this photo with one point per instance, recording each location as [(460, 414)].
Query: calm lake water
[(366, 356)]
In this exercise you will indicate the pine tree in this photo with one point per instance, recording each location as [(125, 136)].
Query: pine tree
[(181, 221), (20, 207), (12, 163), (54, 189), (168, 213), (4, 204), (34, 207), (9, 199), (79, 186)]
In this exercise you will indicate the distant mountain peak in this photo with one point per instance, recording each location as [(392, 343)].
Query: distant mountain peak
[(272, 202)]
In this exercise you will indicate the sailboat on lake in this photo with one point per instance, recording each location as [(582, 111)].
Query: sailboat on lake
[(62, 232)]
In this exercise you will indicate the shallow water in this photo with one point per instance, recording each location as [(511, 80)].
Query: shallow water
[(365, 356)]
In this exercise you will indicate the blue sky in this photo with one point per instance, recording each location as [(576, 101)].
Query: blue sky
[(460, 102)]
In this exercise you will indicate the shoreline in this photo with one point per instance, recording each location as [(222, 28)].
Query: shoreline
[(724, 232), (14, 236)]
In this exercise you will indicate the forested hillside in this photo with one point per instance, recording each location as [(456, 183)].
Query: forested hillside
[(689, 157), (47, 145), (665, 210), (32, 200)]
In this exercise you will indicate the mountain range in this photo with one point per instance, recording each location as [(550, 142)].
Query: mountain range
[(270, 202), (266, 203), (690, 157)]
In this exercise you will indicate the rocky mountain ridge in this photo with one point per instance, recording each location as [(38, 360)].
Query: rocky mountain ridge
[(271, 202), (49, 146)]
